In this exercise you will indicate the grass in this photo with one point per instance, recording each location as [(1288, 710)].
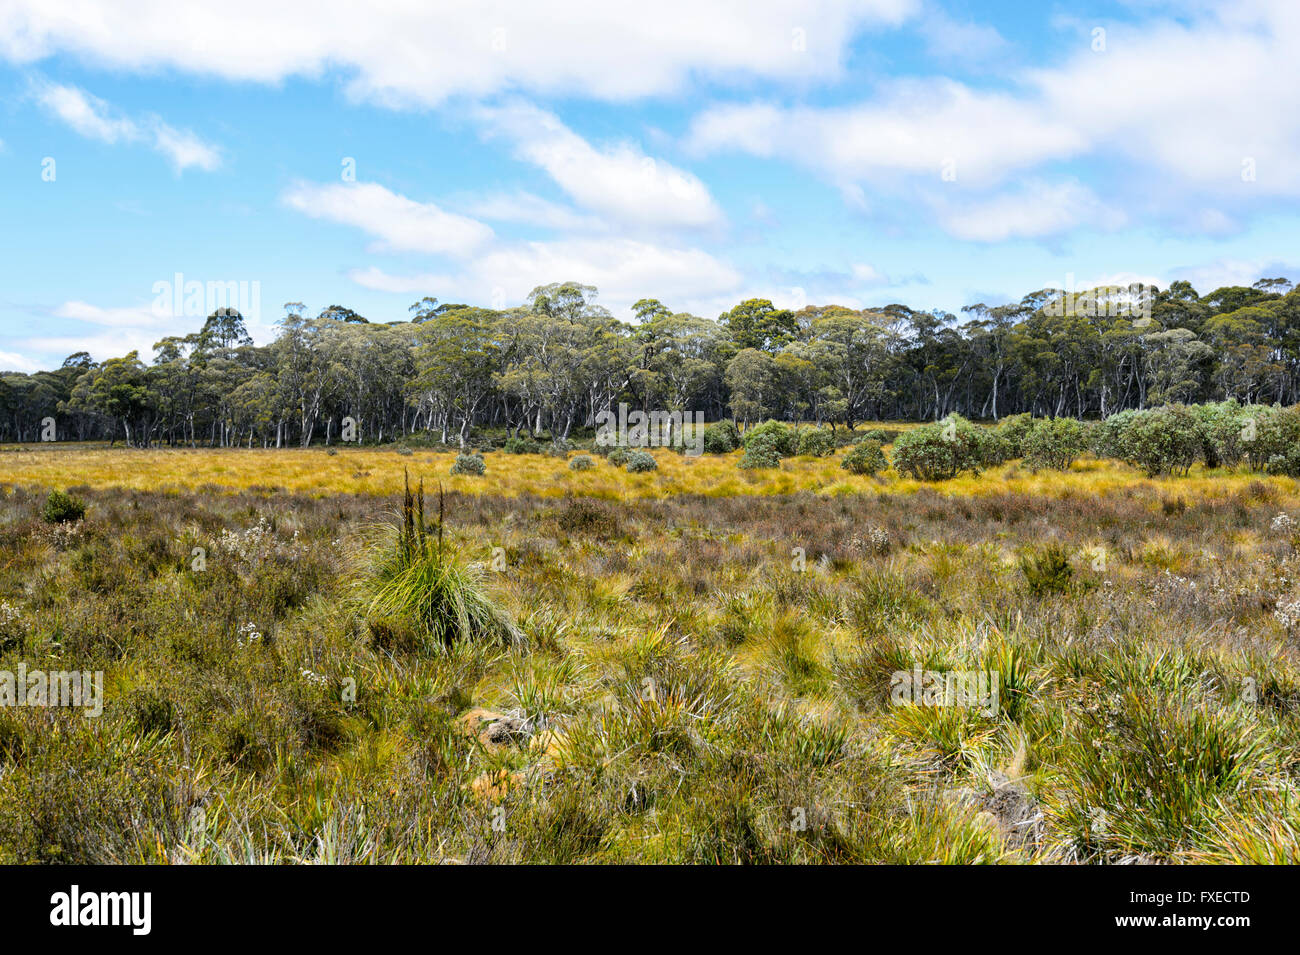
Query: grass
[(678, 686), (379, 472)]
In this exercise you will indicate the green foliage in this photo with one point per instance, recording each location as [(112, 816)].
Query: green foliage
[(1054, 443), (618, 457), (639, 461), (761, 451), (939, 451), (1014, 429), (1166, 440), (62, 508), (784, 437), (1047, 570), (418, 583), (865, 457), (818, 442), (469, 463), (721, 437), (581, 462), (519, 445)]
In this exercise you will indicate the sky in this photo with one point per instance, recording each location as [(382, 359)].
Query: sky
[(158, 157)]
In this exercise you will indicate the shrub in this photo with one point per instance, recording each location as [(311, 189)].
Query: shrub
[(1165, 440), (471, 463), (639, 461), (419, 585), (818, 442), (1274, 435), (865, 457), (991, 447), (883, 435), (518, 445), (1014, 429), (61, 508), (617, 457), (939, 451), (1223, 427), (1054, 444), (761, 452), (721, 437), (582, 462), (1048, 570), (784, 438)]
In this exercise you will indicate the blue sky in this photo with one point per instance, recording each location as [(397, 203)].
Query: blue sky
[(852, 151)]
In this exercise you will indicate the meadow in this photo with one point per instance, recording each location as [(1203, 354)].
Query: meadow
[(695, 664)]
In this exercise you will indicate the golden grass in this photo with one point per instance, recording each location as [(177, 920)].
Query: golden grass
[(379, 472)]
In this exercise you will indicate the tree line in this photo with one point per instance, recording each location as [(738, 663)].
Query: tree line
[(552, 364)]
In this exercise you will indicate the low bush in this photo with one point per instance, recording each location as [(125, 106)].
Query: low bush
[(721, 437), (1054, 444), (469, 463), (817, 442), (639, 461), (784, 438), (939, 451), (61, 508), (865, 457), (761, 452), (582, 462)]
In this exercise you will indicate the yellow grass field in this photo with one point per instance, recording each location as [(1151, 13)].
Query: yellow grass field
[(318, 472)]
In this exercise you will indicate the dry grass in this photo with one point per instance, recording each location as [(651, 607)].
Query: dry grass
[(379, 472)]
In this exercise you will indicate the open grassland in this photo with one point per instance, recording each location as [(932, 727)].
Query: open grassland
[(703, 674), (379, 472)]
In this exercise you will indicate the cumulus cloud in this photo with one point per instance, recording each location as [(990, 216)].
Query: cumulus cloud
[(1207, 107), (618, 181), (426, 53), (94, 118), (398, 223)]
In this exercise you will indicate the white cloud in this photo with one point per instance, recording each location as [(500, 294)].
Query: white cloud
[(1191, 112), (920, 128), (128, 317), (624, 270), (94, 118), (529, 209), (619, 181), (12, 361), (1039, 209), (425, 53), (400, 224)]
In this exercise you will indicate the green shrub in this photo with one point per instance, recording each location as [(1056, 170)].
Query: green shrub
[(417, 584), (1048, 570), (470, 463), (818, 442), (939, 451), (1166, 440), (1014, 429), (582, 462), (1055, 443), (617, 457), (518, 445), (1274, 435), (865, 457), (784, 437), (883, 435), (721, 437), (639, 461), (761, 452), (61, 508)]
